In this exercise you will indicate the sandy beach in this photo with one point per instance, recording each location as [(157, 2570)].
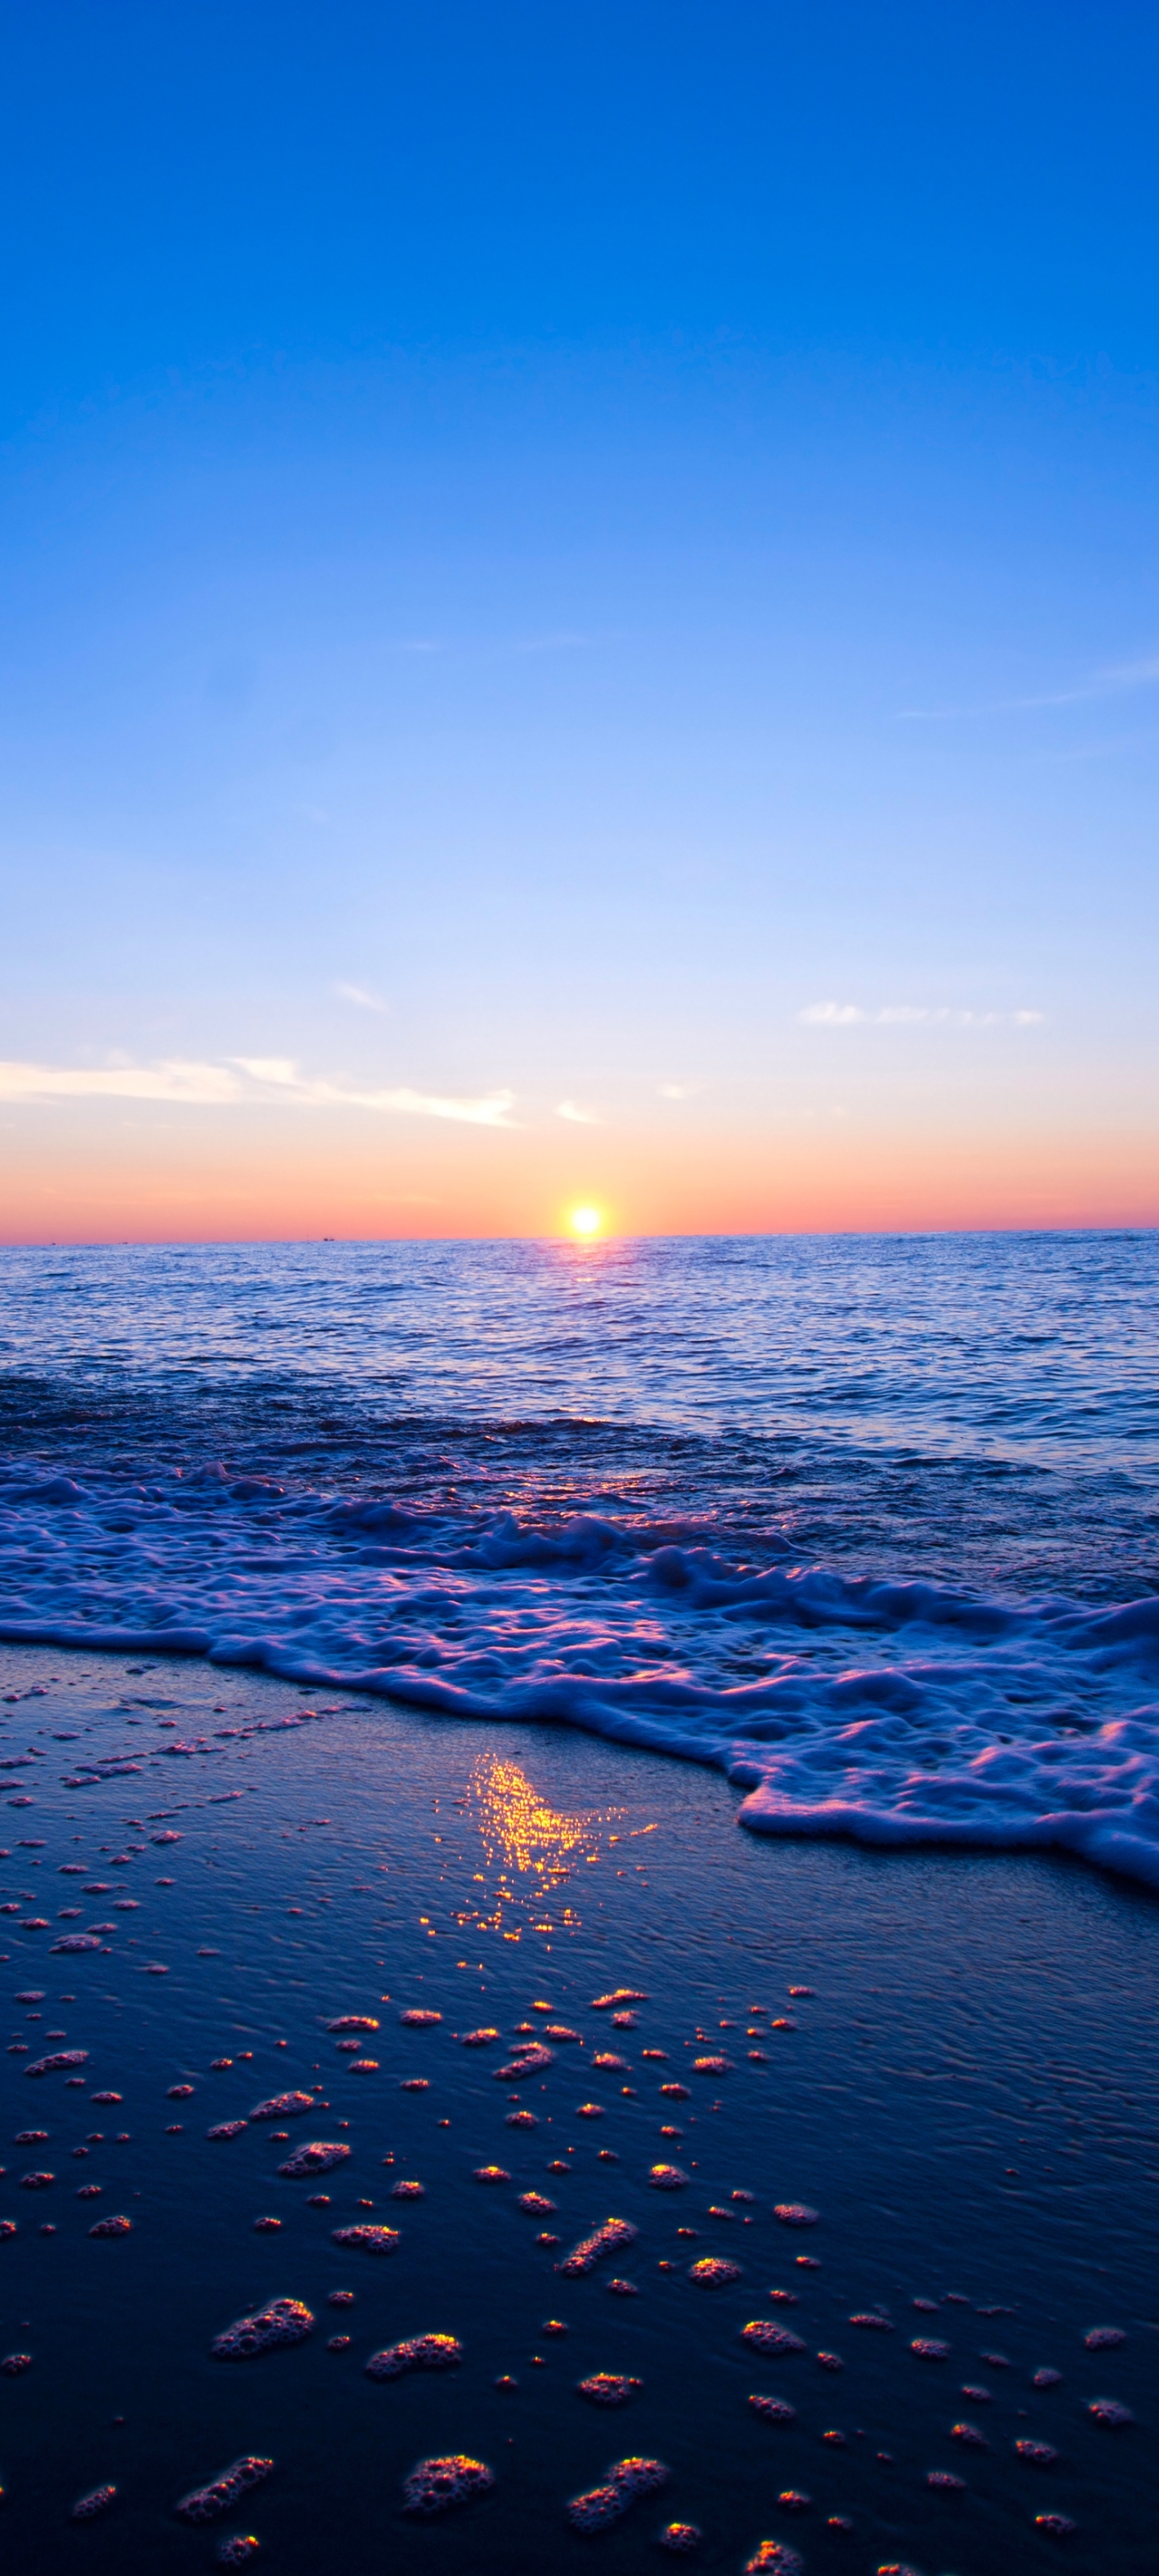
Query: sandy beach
[(943, 2056)]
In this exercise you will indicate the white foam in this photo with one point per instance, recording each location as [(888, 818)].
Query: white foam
[(890, 1712)]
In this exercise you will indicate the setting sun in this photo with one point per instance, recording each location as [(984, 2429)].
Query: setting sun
[(585, 1220)]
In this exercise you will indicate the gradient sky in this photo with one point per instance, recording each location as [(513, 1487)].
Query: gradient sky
[(581, 616)]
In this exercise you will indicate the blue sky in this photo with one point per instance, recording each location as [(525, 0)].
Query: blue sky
[(582, 596)]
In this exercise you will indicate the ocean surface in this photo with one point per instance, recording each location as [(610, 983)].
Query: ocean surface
[(870, 1524)]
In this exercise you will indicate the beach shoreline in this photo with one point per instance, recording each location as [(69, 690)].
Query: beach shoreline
[(964, 2016)]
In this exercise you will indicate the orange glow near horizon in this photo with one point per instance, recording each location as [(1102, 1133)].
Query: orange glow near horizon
[(67, 1178)]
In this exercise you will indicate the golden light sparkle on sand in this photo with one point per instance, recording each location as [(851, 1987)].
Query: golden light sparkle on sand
[(585, 1221)]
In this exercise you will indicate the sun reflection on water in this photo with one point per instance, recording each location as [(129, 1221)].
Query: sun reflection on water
[(531, 1852)]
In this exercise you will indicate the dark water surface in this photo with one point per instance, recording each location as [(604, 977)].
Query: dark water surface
[(968, 2098)]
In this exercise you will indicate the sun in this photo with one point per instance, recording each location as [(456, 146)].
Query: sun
[(585, 1221)]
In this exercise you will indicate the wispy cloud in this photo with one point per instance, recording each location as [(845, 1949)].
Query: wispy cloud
[(241, 1082), (578, 1117), (1111, 683), (846, 1015), (362, 1000), (676, 1090)]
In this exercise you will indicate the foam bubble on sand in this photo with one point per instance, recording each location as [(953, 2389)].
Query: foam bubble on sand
[(97, 2501), (774, 2558), (928, 2349), (1101, 2338), (418, 2352), (1107, 2410), (608, 2388), (368, 2240), (530, 2061), (795, 2213), (624, 2482), (536, 2204), (354, 2021), (775, 2410), (1042, 2454), (315, 2158), (592, 2249), (221, 2129), (490, 2173), (713, 2273), (203, 2504), (112, 2227), (417, 2018), (53, 2065), (283, 2106), (764, 2335), (280, 2321), (238, 2550), (435, 2486), (479, 2038), (680, 2537), (667, 2178)]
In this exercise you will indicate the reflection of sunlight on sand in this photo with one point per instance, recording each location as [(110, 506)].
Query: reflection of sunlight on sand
[(530, 1849)]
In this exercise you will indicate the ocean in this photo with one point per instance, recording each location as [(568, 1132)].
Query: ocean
[(369, 1960), (867, 1523)]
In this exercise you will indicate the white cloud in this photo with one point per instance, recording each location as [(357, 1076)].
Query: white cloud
[(362, 1000), (578, 1117), (676, 1090), (1111, 683), (246, 1081), (843, 1015)]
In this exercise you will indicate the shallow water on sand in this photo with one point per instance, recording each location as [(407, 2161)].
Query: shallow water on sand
[(967, 2097)]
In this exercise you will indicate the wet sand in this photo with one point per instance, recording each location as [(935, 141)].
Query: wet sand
[(965, 2096)]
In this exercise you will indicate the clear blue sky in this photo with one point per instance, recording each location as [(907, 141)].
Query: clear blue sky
[(598, 560)]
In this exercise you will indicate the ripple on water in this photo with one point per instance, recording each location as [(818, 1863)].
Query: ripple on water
[(418, 2352), (202, 2504), (434, 2486), (280, 2321)]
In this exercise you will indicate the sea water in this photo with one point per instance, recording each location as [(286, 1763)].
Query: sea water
[(869, 1524)]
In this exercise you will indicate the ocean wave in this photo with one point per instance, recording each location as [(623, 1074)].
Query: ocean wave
[(892, 1712)]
